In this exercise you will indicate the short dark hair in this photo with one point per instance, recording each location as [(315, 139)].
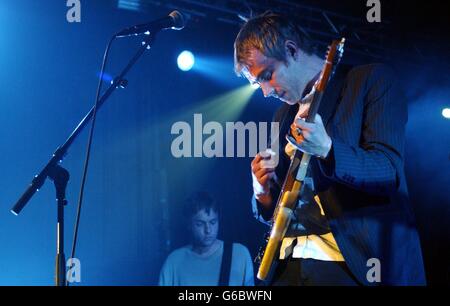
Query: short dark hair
[(268, 33), (200, 200)]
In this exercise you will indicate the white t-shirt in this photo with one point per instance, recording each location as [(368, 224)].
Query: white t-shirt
[(183, 267)]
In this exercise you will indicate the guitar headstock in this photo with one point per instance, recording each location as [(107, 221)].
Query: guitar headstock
[(333, 57), (336, 51)]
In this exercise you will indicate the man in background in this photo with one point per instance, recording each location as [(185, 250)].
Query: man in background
[(207, 261)]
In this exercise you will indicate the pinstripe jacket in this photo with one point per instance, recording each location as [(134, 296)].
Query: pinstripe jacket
[(361, 184)]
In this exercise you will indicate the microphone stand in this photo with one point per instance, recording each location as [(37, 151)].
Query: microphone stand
[(60, 176)]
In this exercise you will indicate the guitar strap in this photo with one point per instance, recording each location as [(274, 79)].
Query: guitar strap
[(225, 267)]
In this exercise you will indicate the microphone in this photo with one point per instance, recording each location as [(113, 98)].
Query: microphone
[(175, 21)]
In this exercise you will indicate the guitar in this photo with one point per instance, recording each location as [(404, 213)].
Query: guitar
[(291, 188)]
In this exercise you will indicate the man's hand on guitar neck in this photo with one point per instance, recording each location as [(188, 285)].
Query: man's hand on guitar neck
[(311, 138), (263, 172)]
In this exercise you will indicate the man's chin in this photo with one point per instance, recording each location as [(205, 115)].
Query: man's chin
[(208, 242)]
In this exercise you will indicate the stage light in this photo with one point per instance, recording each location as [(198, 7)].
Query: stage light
[(186, 60), (132, 5), (446, 113), (106, 77)]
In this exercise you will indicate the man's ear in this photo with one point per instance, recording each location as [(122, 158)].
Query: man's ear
[(291, 49)]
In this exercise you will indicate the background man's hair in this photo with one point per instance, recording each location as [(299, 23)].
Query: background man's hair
[(197, 201), (268, 33)]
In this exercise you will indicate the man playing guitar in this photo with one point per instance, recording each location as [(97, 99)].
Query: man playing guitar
[(353, 213)]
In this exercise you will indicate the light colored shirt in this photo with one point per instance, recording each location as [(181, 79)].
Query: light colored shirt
[(309, 235), (184, 267)]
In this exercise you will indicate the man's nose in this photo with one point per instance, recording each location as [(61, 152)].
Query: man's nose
[(207, 228), (267, 90)]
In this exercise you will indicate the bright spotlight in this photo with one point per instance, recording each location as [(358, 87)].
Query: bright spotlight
[(446, 113), (185, 60)]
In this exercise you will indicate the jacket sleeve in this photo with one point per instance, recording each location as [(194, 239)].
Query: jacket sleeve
[(373, 165)]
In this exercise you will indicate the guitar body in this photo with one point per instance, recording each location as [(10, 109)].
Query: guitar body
[(279, 228)]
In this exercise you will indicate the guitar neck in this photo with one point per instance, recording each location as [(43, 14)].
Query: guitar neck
[(314, 107)]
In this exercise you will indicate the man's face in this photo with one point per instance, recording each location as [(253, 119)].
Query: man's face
[(284, 81), (205, 227)]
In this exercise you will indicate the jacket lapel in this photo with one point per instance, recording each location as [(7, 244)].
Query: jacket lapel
[(333, 94)]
